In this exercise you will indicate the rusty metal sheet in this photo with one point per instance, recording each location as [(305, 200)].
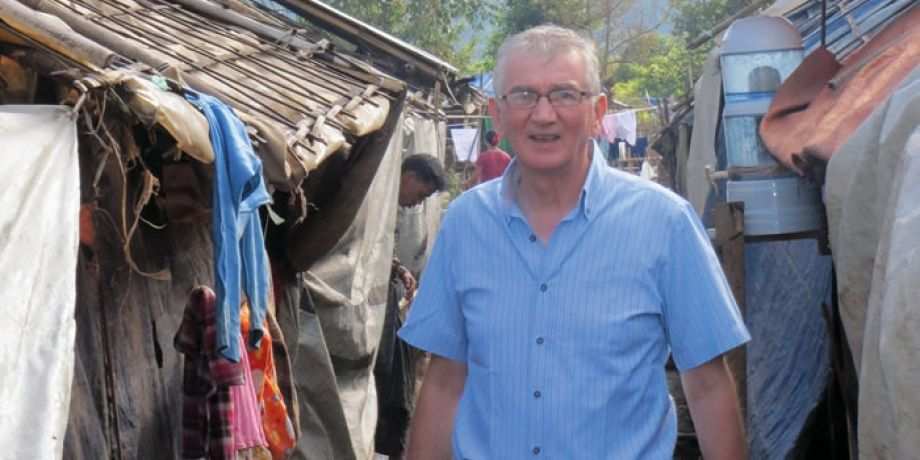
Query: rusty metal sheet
[(817, 109)]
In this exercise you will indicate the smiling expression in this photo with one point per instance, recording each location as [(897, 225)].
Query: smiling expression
[(548, 139)]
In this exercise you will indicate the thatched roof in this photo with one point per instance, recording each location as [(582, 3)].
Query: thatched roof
[(301, 100)]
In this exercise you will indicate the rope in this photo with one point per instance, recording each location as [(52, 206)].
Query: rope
[(150, 187)]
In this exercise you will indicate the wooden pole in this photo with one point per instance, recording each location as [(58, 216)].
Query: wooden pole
[(729, 220)]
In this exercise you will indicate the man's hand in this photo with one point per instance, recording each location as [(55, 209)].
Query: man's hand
[(713, 402), (408, 281)]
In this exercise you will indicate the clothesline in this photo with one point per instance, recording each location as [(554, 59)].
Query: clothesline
[(640, 109)]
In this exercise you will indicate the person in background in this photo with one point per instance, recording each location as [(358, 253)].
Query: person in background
[(394, 370), (491, 163), (555, 295)]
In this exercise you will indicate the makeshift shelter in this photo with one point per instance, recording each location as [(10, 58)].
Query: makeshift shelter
[(818, 321), (330, 130)]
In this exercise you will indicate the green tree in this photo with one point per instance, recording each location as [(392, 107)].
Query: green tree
[(611, 23), (433, 25), (693, 17), (659, 65)]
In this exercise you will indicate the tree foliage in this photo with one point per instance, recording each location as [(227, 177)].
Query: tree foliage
[(659, 65), (611, 23), (433, 25), (637, 59), (693, 17)]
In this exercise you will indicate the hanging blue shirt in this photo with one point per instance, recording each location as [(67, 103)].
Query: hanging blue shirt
[(566, 343), (240, 262)]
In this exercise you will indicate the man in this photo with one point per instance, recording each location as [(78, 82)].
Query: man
[(554, 296), (422, 176), (492, 162)]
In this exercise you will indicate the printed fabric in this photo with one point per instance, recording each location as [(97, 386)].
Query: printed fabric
[(276, 424)]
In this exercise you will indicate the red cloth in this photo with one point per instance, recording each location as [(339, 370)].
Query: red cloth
[(492, 164)]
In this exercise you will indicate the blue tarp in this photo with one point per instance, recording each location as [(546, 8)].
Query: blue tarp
[(788, 357), (483, 82)]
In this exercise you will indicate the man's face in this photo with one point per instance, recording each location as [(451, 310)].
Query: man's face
[(547, 138), (413, 190)]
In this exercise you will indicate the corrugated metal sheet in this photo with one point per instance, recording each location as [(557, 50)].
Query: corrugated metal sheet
[(850, 23)]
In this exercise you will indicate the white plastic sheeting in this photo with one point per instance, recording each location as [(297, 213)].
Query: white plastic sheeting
[(39, 212), (706, 97), (466, 143), (874, 224)]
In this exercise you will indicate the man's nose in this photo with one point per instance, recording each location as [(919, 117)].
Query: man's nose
[(543, 111)]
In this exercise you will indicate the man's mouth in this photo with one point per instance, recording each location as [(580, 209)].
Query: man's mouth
[(543, 137)]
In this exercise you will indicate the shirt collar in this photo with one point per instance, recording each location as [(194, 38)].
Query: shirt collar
[(510, 180)]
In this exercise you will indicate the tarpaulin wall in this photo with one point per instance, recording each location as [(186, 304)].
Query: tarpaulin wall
[(127, 384), (342, 309), (874, 226), (39, 196), (349, 288), (786, 285)]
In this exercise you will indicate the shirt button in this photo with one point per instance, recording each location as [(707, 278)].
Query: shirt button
[(537, 394), (536, 450), (539, 340), (533, 238), (543, 287)]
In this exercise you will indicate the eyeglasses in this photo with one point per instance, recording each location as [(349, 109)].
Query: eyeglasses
[(527, 99)]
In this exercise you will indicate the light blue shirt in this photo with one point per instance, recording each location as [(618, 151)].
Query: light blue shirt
[(240, 262), (566, 344)]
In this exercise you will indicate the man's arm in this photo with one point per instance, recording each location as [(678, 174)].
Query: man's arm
[(433, 421), (713, 402)]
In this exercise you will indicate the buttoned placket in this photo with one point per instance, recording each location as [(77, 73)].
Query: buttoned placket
[(534, 253), (563, 241), (537, 351), (543, 262)]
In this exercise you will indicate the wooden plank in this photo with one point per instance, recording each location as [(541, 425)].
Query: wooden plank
[(729, 220)]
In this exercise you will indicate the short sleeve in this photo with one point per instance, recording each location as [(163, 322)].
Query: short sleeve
[(435, 323), (701, 316)]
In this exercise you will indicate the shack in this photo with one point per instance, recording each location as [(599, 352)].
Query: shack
[(827, 301), (329, 127)]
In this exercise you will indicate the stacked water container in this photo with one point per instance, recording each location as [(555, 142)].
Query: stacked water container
[(757, 55)]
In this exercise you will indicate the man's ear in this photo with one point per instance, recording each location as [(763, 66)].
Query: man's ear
[(600, 109), (496, 114)]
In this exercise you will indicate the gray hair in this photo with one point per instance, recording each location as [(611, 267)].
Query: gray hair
[(550, 41)]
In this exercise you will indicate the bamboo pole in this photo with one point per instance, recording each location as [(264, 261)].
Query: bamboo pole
[(55, 35)]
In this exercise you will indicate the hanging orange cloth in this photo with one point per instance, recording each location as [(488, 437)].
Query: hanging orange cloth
[(279, 432)]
